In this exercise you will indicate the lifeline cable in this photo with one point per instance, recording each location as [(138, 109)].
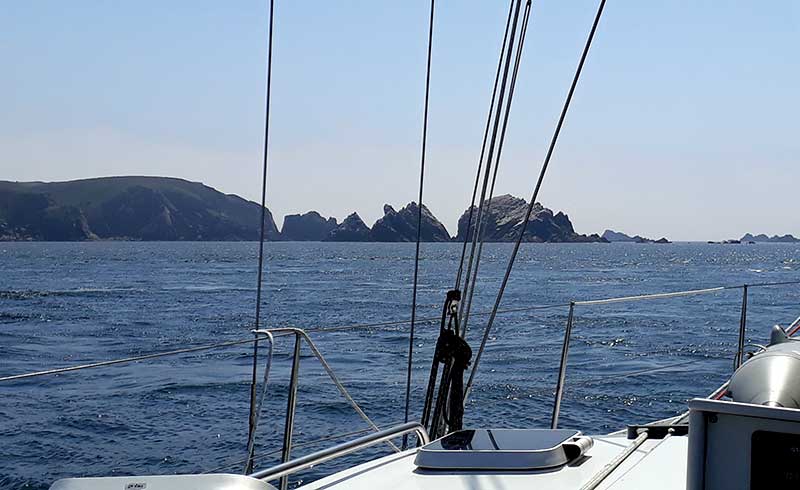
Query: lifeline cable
[(534, 196)]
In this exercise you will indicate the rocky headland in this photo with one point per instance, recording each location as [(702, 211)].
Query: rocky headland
[(127, 208)]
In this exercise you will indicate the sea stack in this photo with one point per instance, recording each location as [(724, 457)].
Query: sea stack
[(308, 227), (352, 229), (504, 215), (401, 226)]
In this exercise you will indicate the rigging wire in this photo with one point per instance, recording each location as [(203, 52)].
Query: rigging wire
[(263, 218), (534, 196), (481, 234), (483, 147), (492, 142), (419, 218)]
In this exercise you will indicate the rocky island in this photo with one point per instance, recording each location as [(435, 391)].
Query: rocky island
[(307, 227), (616, 236), (401, 226), (352, 229), (504, 216), (766, 239), (171, 209)]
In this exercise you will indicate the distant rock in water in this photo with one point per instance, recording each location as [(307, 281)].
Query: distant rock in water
[(765, 239), (309, 227), (503, 218), (352, 229), (616, 236), (127, 208), (401, 226)]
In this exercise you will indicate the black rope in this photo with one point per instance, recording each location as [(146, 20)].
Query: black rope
[(534, 196), (489, 158), (482, 234), (453, 354), (483, 147), (263, 218), (419, 219)]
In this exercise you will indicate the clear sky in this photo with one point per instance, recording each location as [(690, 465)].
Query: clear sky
[(685, 123)]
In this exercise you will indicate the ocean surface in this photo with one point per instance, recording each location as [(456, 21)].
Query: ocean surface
[(72, 303)]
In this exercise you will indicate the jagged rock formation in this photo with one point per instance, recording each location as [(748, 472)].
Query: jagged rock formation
[(401, 226), (503, 219), (616, 236), (307, 227), (352, 229), (127, 208), (162, 208), (773, 239)]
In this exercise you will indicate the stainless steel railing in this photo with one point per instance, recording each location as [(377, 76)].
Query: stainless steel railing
[(300, 335), (738, 359), (268, 335), (284, 470)]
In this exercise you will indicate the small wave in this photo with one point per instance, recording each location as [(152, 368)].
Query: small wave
[(16, 317), (34, 293), (209, 289), (175, 389)]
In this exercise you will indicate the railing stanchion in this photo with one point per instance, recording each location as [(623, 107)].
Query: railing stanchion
[(258, 402), (291, 406), (737, 361), (562, 369)]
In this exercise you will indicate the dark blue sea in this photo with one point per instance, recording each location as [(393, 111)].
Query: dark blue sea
[(71, 303)]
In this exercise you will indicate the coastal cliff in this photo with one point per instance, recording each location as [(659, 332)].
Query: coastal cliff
[(127, 208)]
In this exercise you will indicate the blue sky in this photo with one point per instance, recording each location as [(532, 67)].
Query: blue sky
[(685, 123)]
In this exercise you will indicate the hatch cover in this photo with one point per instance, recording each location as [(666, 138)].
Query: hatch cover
[(502, 449)]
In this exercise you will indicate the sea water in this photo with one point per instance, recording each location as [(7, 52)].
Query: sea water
[(73, 303)]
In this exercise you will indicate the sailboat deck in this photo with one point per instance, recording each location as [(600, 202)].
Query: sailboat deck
[(655, 464)]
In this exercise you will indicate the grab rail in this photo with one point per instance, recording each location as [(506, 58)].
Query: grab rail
[(319, 457)]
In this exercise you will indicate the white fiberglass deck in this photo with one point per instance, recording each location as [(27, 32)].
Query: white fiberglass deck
[(657, 464)]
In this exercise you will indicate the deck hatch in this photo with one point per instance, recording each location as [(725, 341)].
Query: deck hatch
[(502, 449)]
